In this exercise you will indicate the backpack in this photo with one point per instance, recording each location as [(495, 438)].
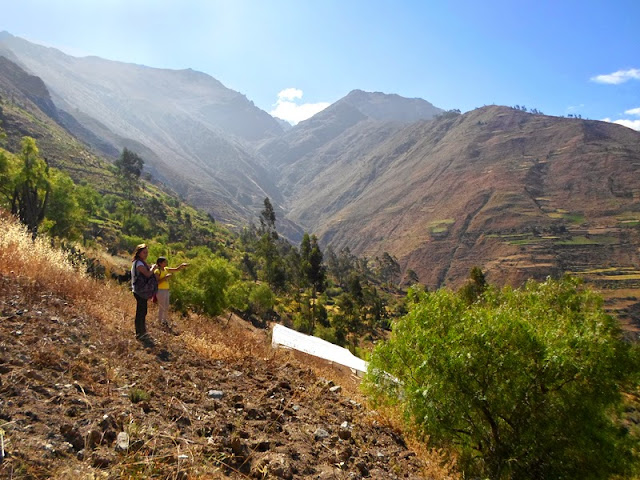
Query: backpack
[(143, 286)]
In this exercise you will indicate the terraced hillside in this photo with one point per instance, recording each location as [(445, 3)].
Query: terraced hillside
[(522, 195)]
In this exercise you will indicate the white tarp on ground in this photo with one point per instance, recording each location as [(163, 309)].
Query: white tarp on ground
[(317, 347)]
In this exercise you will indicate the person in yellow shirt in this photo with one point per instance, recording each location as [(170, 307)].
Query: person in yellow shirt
[(164, 273)]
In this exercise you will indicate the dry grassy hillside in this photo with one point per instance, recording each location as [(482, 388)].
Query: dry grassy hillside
[(80, 398)]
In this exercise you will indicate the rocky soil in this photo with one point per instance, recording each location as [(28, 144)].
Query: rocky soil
[(80, 399)]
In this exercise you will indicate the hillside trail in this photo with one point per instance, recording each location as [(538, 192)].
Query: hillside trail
[(81, 398)]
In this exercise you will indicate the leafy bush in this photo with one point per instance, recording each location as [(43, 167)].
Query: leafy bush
[(326, 333), (522, 383), (127, 243), (238, 295), (137, 225), (261, 300), (204, 285)]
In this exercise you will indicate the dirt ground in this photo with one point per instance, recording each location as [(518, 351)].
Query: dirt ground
[(81, 399)]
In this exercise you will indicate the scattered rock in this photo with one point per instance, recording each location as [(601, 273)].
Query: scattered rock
[(107, 422), (33, 375), (122, 442), (94, 438), (362, 468), (273, 465), (320, 434), (335, 389), (215, 394), (72, 435), (255, 414), (345, 431), (102, 461)]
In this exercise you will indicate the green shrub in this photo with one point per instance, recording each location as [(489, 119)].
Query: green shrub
[(128, 243), (136, 395), (326, 333), (522, 383), (261, 300), (137, 225), (238, 295), (204, 285)]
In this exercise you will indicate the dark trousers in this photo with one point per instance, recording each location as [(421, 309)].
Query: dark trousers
[(141, 315)]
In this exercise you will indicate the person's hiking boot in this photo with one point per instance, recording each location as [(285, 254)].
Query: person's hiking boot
[(146, 340)]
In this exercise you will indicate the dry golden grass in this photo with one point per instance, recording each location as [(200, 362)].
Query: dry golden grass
[(44, 267)]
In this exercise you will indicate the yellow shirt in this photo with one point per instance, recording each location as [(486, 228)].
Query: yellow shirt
[(163, 282)]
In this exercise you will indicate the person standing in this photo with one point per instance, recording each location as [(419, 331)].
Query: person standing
[(163, 273), (139, 266)]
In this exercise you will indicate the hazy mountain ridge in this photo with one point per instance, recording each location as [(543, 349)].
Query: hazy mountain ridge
[(26, 109), (195, 127)]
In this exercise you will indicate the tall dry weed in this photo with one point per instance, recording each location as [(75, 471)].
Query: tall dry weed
[(47, 269)]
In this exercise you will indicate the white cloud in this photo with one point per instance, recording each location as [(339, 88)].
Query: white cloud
[(633, 111), (633, 124), (290, 94), (618, 77), (287, 109), (571, 108)]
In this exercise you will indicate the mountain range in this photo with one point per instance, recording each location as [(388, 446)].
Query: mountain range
[(522, 195)]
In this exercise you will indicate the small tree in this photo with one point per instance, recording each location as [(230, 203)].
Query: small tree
[(205, 285), (64, 216), (32, 187), (129, 166), (268, 220), (475, 286), (522, 383), (389, 268), (267, 247)]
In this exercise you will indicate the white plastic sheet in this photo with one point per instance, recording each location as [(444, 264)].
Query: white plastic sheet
[(317, 347)]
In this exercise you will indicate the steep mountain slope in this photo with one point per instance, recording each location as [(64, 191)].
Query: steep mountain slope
[(521, 194), (288, 151), (26, 109), (196, 132)]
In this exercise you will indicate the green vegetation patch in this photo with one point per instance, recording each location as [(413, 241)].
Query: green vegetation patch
[(592, 240), (526, 241), (440, 226), (576, 218)]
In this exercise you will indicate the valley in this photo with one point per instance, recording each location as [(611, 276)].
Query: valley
[(521, 195)]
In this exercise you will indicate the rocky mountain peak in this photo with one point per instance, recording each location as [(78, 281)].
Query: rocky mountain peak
[(390, 107)]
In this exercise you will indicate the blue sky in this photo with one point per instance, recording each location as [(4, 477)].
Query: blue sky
[(558, 56)]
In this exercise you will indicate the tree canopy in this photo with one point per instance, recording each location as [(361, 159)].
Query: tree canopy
[(522, 382)]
